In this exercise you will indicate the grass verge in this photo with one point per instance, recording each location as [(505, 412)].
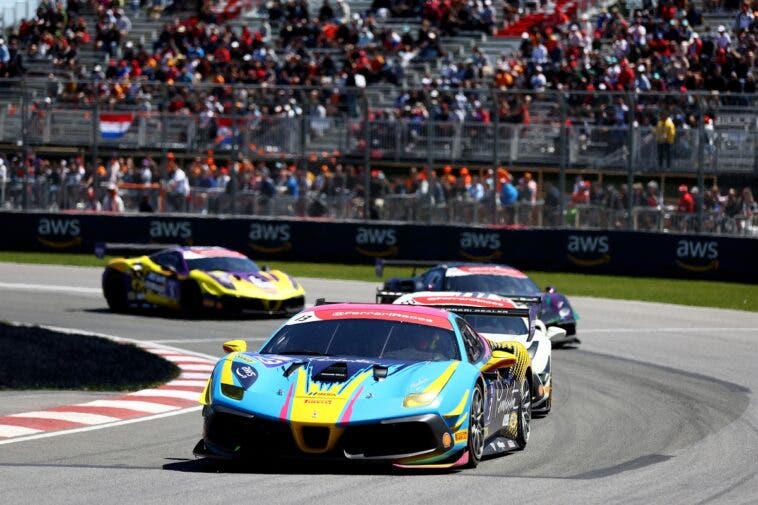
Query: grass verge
[(38, 358), (726, 295)]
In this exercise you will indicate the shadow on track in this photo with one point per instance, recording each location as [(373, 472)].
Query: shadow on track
[(294, 467)]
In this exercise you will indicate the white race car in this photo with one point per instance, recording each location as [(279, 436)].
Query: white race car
[(500, 319)]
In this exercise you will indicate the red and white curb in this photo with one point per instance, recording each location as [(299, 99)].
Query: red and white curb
[(175, 397)]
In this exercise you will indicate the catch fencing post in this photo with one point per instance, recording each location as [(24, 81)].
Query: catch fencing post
[(630, 162)]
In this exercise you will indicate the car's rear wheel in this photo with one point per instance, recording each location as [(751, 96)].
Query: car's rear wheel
[(191, 299), (524, 415), (114, 290), (476, 428)]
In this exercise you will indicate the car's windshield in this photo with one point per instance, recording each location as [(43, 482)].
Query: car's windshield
[(225, 263), (365, 338), (501, 284), (497, 324)]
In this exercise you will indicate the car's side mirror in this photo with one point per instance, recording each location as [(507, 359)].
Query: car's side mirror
[(549, 289), (556, 333), (498, 360), (235, 346), (264, 268)]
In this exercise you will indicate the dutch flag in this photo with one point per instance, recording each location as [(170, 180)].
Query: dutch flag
[(115, 126)]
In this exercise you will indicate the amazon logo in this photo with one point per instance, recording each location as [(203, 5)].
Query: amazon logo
[(174, 230), (588, 250), (697, 255), (270, 238), (479, 246), (376, 242), (59, 233)]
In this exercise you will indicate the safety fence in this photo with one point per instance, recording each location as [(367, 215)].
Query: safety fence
[(609, 131), (409, 208)]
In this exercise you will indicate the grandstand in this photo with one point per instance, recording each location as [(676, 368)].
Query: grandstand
[(550, 87)]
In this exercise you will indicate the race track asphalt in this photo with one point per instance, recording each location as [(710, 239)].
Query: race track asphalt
[(655, 406)]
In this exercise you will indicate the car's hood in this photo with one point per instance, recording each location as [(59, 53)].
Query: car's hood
[(326, 390), (268, 283)]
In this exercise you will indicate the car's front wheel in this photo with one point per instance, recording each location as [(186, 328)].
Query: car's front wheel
[(524, 415), (191, 299), (114, 291), (476, 428)]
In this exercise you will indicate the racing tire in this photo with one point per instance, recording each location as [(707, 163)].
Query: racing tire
[(476, 428), (523, 426), (191, 299), (115, 292)]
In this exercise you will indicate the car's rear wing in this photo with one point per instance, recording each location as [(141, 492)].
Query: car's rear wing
[(530, 313), (484, 311), (128, 249), (381, 263), (383, 296), (529, 300)]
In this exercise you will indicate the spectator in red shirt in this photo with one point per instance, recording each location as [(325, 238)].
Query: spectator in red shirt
[(686, 202)]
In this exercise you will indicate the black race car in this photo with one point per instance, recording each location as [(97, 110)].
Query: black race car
[(555, 309)]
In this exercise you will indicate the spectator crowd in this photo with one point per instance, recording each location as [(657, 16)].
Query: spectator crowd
[(316, 58)]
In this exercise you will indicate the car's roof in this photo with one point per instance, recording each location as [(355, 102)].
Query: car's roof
[(191, 253), (427, 316), (448, 298), (465, 269)]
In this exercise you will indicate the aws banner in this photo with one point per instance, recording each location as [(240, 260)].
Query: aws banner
[(591, 251)]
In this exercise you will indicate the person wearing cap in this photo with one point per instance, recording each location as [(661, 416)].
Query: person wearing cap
[(665, 134), (112, 201)]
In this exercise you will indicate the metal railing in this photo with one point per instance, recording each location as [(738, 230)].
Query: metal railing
[(73, 195)]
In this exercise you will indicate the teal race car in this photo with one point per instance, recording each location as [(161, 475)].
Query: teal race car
[(407, 385)]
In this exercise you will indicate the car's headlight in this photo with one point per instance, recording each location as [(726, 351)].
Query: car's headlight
[(419, 399), (224, 279)]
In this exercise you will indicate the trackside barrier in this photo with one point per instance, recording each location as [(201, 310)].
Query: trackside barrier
[(316, 240)]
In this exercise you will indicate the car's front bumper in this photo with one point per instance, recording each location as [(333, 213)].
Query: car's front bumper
[(228, 434)]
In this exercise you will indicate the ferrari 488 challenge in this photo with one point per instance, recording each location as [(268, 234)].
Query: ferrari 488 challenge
[(197, 279), (555, 309), (406, 385), (500, 319)]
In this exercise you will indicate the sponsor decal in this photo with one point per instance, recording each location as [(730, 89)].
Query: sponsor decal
[(246, 374), (479, 246), (164, 229), (269, 238), (461, 436), (696, 255), (272, 361), (588, 250), (387, 315), (59, 233), (376, 242)]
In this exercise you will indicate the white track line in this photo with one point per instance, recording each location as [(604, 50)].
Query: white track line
[(15, 431), (74, 417), (195, 375), (182, 382), (49, 434), (51, 289), (168, 393), (192, 367)]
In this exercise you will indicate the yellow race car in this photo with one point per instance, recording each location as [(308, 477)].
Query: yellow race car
[(198, 279)]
